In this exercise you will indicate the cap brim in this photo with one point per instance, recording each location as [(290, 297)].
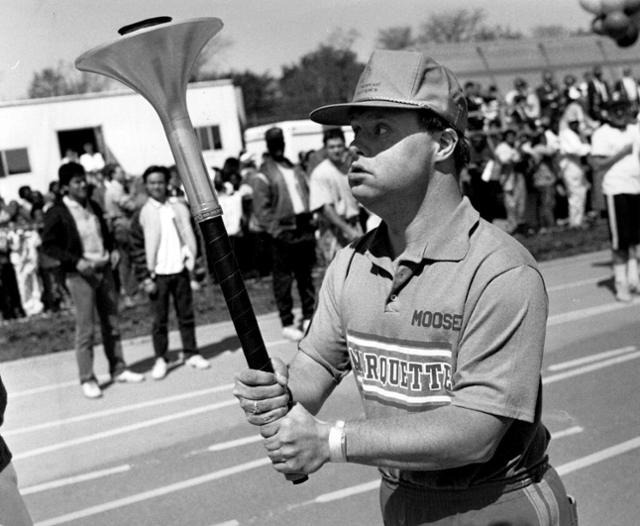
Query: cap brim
[(340, 114)]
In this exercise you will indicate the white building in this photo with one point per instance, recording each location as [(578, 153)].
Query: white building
[(35, 133), (300, 136)]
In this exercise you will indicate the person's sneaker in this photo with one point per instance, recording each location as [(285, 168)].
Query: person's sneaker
[(197, 361), (623, 294), (159, 370), (91, 389), (130, 377), (292, 333)]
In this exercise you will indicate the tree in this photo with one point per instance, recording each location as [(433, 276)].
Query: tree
[(452, 26), (207, 65), (259, 93), (398, 37), (551, 31), (343, 39), (324, 76), (64, 79), (488, 33)]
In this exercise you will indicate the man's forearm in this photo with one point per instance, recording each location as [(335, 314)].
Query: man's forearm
[(446, 437), (310, 383)]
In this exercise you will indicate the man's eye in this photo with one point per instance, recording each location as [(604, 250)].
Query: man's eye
[(380, 129)]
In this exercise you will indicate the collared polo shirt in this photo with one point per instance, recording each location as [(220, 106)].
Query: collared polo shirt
[(459, 318)]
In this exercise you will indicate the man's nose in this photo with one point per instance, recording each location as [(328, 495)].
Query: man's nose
[(355, 150)]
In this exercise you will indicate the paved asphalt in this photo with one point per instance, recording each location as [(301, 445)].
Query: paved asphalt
[(178, 452)]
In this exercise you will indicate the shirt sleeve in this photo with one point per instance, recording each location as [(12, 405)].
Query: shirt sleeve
[(325, 342), (599, 145), (500, 352), (319, 190)]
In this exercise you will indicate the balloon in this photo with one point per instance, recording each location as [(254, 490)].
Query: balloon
[(616, 24), (597, 25), (629, 38), (593, 6), (609, 6)]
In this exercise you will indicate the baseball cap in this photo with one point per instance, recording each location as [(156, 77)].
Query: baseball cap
[(403, 80)]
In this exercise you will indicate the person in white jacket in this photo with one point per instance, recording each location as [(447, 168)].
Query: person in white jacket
[(573, 148), (164, 229)]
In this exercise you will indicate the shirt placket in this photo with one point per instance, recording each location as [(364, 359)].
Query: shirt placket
[(403, 274)]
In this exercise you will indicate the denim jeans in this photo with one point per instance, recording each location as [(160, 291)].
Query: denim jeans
[(177, 286), (93, 296)]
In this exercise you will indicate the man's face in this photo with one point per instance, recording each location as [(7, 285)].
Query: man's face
[(77, 188), (393, 160), (156, 186), (336, 150), (510, 138)]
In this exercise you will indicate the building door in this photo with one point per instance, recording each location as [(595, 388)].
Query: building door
[(73, 141)]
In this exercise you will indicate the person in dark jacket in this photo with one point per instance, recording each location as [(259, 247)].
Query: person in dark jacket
[(76, 234), (281, 205)]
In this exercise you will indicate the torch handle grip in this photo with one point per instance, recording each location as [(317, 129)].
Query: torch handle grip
[(222, 264)]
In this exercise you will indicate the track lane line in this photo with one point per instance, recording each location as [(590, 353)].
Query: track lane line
[(121, 430), (575, 315), (567, 432), (116, 410), (589, 368), (154, 493), (67, 481), (579, 283), (591, 358), (599, 456), (221, 446), (101, 378)]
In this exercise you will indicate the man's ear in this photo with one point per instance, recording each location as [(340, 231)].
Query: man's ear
[(447, 143)]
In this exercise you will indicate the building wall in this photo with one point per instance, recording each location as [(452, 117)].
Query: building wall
[(131, 129)]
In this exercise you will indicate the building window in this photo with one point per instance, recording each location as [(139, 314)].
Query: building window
[(209, 137), (14, 161)]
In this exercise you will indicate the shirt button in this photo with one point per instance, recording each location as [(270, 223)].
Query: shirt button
[(393, 297)]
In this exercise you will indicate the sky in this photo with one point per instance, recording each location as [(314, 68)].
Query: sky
[(261, 35)]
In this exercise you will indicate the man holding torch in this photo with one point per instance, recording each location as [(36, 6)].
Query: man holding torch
[(440, 316)]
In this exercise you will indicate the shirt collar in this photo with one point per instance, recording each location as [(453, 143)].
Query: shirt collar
[(72, 203), (448, 240), (157, 203)]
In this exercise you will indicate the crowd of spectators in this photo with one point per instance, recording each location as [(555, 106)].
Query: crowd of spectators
[(529, 167), (530, 156)]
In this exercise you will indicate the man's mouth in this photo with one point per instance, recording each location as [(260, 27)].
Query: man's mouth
[(356, 174)]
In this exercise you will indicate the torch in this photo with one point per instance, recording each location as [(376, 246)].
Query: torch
[(154, 58)]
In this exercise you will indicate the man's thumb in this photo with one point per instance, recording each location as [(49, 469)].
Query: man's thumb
[(280, 370)]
